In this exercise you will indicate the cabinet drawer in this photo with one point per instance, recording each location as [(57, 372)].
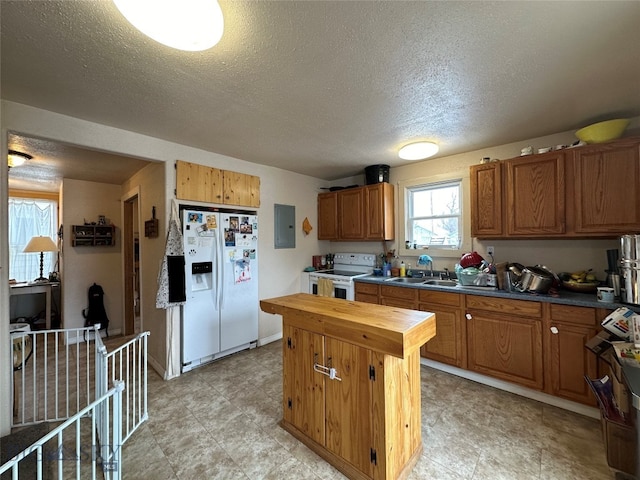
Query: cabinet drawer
[(572, 314), (440, 298), (368, 288), (399, 292), (500, 305)]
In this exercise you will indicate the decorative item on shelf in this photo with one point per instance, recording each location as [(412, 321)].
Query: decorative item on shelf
[(102, 220), (40, 244), (603, 131), (151, 226)]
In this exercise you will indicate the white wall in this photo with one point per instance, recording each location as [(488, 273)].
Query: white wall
[(149, 184), (84, 266)]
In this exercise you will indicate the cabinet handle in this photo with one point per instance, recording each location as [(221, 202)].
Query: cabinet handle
[(468, 316), (332, 373), (554, 330)]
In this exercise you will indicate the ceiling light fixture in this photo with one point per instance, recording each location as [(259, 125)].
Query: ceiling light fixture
[(418, 151), (15, 158), (192, 25)]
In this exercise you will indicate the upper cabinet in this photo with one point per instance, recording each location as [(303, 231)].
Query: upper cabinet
[(607, 188), (486, 199), (535, 195), (591, 191), (359, 213), (212, 185)]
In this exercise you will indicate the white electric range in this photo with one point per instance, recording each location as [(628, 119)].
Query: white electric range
[(346, 267)]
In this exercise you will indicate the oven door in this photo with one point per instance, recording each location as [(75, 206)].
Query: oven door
[(341, 289)]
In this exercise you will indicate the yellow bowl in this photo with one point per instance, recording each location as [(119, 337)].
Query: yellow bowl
[(603, 131)]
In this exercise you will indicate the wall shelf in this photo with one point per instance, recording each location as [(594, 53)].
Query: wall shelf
[(93, 235)]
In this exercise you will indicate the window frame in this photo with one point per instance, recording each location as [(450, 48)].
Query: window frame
[(405, 189)]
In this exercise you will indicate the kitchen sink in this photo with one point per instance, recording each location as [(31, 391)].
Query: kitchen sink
[(405, 280), (441, 283)]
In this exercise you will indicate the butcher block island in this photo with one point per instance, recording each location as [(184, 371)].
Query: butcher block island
[(351, 381)]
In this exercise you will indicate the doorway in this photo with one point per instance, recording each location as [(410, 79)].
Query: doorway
[(131, 269)]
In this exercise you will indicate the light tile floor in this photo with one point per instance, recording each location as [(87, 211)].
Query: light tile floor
[(220, 421)]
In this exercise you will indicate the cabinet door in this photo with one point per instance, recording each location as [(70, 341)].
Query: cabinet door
[(366, 292), (535, 189), (569, 361), (328, 216), (486, 200), (401, 297), (198, 182), (506, 347), (447, 346), (351, 214), (348, 404), (379, 222), (303, 388), (607, 188), (241, 189)]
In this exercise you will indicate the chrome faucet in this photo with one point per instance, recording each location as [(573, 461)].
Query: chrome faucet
[(424, 260), (446, 275)]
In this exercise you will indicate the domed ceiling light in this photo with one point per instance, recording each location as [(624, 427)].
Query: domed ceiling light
[(418, 151), (15, 158), (191, 25)]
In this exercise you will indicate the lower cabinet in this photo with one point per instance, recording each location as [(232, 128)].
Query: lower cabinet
[(505, 339), (533, 344), (449, 344), (567, 330), (367, 292), (400, 297)]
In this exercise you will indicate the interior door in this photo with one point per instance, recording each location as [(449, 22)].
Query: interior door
[(131, 268)]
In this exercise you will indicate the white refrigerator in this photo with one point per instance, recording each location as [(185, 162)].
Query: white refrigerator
[(220, 315)]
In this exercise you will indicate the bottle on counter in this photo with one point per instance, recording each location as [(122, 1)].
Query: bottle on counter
[(403, 270)]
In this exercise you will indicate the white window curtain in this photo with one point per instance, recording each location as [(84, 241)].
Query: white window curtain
[(29, 217)]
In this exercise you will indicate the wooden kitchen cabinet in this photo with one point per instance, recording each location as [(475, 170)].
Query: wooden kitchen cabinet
[(367, 292), (535, 193), (327, 216), (358, 213), (240, 189), (212, 185), (378, 207), (567, 361), (590, 191), (365, 420), (504, 339), (399, 297), (606, 181), (450, 343), (351, 214), (486, 200)]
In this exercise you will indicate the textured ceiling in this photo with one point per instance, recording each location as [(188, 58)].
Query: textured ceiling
[(327, 88)]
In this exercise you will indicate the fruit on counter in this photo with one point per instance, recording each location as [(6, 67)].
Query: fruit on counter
[(583, 276)]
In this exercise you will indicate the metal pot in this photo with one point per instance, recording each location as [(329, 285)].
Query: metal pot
[(536, 279)]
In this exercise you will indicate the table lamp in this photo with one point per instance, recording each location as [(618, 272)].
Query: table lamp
[(40, 244)]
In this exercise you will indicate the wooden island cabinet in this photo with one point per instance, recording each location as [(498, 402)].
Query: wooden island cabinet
[(351, 381)]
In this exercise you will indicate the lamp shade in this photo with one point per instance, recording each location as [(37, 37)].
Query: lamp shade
[(41, 244), (15, 158)]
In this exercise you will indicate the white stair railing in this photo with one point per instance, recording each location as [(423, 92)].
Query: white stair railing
[(53, 374), (127, 363), (65, 458)]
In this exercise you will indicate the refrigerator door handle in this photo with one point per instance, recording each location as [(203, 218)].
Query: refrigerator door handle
[(219, 270)]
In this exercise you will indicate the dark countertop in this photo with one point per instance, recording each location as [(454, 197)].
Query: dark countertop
[(563, 297)]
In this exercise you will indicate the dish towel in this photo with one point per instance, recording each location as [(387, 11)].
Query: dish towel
[(325, 287)]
